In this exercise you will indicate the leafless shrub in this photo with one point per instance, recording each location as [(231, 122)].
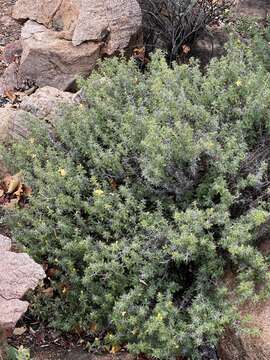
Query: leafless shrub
[(174, 24)]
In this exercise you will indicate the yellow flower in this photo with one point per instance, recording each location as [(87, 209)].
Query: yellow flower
[(238, 83), (62, 172), (98, 192), (31, 140), (159, 317)]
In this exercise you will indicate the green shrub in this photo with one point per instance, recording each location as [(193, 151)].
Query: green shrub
[(257, 35), (145, 200)]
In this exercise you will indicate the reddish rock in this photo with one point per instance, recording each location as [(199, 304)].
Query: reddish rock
[(64, 38), (40, 11), (86, 20), (112, 21), (65, 18), (11, 80), (12, 52), (49, 61)]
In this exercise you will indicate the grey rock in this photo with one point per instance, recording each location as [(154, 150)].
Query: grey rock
[(5, 243), (18, 274), (46, 103)]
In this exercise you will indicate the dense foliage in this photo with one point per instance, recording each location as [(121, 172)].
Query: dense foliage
[(145, 200)]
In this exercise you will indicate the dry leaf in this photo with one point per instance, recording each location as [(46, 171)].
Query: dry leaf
[(15, 182), (13, 191), (115, 349), (48, 292), (114, 184), (186, 49), (19, 331), (52, 272), (27, 191), (10, 95), (93, 327), (19, 191)]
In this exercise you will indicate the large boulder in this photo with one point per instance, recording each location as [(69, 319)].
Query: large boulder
[(113, 20), (86, 20), (60, 15), (62, 39), (50, 60), (42, 12), (18, 274)]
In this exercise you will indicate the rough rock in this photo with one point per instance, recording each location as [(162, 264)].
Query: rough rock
[(12, 51), (118, 20), (257, 8), (5, 243), (10, 312), (40, 11), (46, 103), (86, 20), (18, 274), (62, 39), (237, 346), (13, 124), (11, 80), (65, 18), (48, 60), (61, 15)]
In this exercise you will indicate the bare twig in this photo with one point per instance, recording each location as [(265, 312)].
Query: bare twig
[(173, 23)]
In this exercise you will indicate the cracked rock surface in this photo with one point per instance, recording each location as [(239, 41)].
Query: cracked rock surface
[(18, 274), (62, 39)]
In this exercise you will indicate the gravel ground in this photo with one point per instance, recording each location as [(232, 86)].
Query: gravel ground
[(9, 28)]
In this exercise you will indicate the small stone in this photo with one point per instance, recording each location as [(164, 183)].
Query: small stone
[(5, 243), (18, 331)]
